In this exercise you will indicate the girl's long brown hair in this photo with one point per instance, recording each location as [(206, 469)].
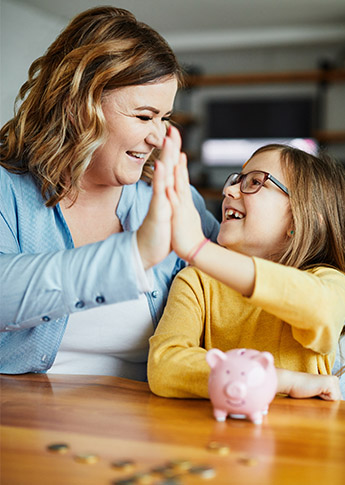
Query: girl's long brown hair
[(60, 122), (317, 199)]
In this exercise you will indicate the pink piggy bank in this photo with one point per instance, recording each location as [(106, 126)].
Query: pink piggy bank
[(242, 383)]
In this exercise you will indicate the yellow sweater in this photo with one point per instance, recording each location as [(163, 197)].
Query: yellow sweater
[(296, 315)]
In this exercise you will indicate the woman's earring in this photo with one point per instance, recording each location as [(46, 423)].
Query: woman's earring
[(291, 233)]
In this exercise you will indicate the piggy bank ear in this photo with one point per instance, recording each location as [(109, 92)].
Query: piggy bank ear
[(214, 356), (265, 359)]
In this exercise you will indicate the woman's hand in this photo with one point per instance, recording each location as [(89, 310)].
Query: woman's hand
[(154, 235)]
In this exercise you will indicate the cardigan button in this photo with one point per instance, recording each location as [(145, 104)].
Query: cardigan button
[(80, 304), (45, 318), (154, 294), (100, 299)]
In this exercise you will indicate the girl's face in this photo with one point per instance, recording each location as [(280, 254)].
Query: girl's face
[(136, 121), (257, 224)]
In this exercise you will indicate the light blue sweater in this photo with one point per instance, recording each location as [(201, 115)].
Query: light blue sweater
[(44, 278)]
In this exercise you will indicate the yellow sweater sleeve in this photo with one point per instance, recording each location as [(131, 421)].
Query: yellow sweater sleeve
[(312, 302), (176, 365)]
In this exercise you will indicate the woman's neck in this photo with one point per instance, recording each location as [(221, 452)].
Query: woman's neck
[(92, 216)]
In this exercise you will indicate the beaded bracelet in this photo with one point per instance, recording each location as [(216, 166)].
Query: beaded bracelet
[(191, 257)]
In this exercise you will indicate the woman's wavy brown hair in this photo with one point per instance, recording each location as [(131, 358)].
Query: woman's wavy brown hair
[(60, 122), (317, 200)]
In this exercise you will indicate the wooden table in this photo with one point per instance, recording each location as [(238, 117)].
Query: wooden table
[(299, 442)]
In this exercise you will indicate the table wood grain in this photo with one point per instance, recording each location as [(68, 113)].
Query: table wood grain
[(299, 442)]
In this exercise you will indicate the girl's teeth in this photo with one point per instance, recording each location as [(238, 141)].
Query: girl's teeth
[(230, 213)]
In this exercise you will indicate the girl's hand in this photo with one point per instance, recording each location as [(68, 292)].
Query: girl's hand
[(303, 385), (186, 227)]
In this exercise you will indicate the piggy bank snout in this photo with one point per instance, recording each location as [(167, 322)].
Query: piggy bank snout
[(236, 390)]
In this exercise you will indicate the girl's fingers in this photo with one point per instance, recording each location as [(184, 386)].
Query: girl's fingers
[(182, 185)]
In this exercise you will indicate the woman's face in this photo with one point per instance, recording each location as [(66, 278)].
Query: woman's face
[(257, 224), (136, 121)]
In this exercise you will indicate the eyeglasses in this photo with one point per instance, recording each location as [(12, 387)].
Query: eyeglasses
[(252, 182)]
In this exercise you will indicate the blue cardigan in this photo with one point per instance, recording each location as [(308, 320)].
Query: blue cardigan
[(44, 278)]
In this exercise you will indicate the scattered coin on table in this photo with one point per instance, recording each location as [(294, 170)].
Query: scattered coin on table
[(124, 465), (248, 461), (87, 458), (219, 448), (58, 448), (203, 471)]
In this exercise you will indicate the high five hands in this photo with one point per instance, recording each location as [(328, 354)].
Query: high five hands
[(172, 222)]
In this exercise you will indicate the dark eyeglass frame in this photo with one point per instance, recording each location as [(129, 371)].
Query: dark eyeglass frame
[(239, 178)]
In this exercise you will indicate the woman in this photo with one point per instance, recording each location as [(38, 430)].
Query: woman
[(84, 274)]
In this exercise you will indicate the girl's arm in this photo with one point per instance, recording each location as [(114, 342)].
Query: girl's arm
[(303, 385), (312, 302), (231, 268), (177, 364)]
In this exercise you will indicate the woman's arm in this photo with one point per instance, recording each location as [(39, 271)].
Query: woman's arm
[(36, 288)]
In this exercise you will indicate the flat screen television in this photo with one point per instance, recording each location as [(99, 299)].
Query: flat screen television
[(283, 117), (235, 128)]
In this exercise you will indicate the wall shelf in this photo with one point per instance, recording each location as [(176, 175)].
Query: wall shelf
[(314, 76), (325, 137)]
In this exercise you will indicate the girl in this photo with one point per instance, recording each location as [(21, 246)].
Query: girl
[(274, 282)]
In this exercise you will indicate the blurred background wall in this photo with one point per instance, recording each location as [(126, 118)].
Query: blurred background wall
[(243, 55)]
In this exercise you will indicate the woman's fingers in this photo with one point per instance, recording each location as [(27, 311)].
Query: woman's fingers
[(154, 235), (170, 154)]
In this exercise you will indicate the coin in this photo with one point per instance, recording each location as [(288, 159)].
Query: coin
[(87, 458), (125, 465), (248, 461), (58, 448), (180, 465), (125, 481), (169, 481), (204, 471), (144, 478), (219, 448)]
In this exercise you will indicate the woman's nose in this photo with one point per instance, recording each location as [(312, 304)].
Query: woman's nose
[(156, 134)]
